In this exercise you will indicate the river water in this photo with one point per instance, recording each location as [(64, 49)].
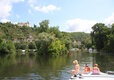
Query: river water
[(28, 67)]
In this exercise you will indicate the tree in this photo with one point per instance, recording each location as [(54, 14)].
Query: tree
[(109, 44), (99, 35), (3, 47), (44, 26), (43, 42), (35, 25), (67, 41), (21, 46), (55, 31), (6, 47), (10, 46), (57, 48), (32, 45), (87, 43)]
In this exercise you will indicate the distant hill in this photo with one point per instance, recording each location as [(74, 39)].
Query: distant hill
[(16, 33), (28, 34), (80, 36)]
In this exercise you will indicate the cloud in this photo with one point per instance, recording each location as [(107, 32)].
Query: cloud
[(80, 25), (6, 7), (31, 2), (45, 9), (5, 20), (109, 20)]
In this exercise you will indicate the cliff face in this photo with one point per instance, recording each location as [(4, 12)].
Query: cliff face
[(28, 39)]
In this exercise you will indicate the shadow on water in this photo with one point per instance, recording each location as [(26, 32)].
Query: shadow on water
[(29, 67)]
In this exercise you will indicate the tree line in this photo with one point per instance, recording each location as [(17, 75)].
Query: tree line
[(46, 40), (103, 37)]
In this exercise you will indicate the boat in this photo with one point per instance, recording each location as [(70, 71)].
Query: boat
[(101, 76)]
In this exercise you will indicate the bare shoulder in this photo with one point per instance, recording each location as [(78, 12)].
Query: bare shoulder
[(78, 65)]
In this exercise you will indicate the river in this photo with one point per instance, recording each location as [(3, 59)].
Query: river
[(29, 67)]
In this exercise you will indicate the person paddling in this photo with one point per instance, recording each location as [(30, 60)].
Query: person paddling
[(95, 70), (77, 68)]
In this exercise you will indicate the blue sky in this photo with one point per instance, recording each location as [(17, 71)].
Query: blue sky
[(69, 15)]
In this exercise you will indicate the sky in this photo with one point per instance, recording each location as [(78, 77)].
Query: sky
[(69, 15)]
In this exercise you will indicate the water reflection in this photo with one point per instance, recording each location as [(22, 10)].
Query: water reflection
[(105, 61), (24, 67)]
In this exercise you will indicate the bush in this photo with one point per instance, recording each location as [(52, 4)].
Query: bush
[(57, 48), (43, 42), (6, 47), (20, 45), (32, 45)]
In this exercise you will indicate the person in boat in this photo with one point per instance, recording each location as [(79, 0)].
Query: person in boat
[(87, 69), (95, 70), (77, 68)]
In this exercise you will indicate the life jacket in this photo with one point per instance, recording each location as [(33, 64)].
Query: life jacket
[(87, 69)]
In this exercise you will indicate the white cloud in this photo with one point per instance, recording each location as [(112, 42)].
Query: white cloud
[(110, 19), (5, 20), (6, 7), (31, 2), (45, 9), (79, 25)]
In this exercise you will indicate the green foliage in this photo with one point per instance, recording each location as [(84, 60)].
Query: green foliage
[(80, 36), (55, 32), (6, 47), (48, 44), (44, 26), (82, 39), (21, 46), (32, 45), (17, 45), (57, 48), (43, 36), (14, 32), (66, 39), (10, 46), (103, 37), (109, 44), (87, 43), (3, 48), (99, 35), (43, 42)]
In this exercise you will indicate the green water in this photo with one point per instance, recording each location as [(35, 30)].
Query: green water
[(26, 67)]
